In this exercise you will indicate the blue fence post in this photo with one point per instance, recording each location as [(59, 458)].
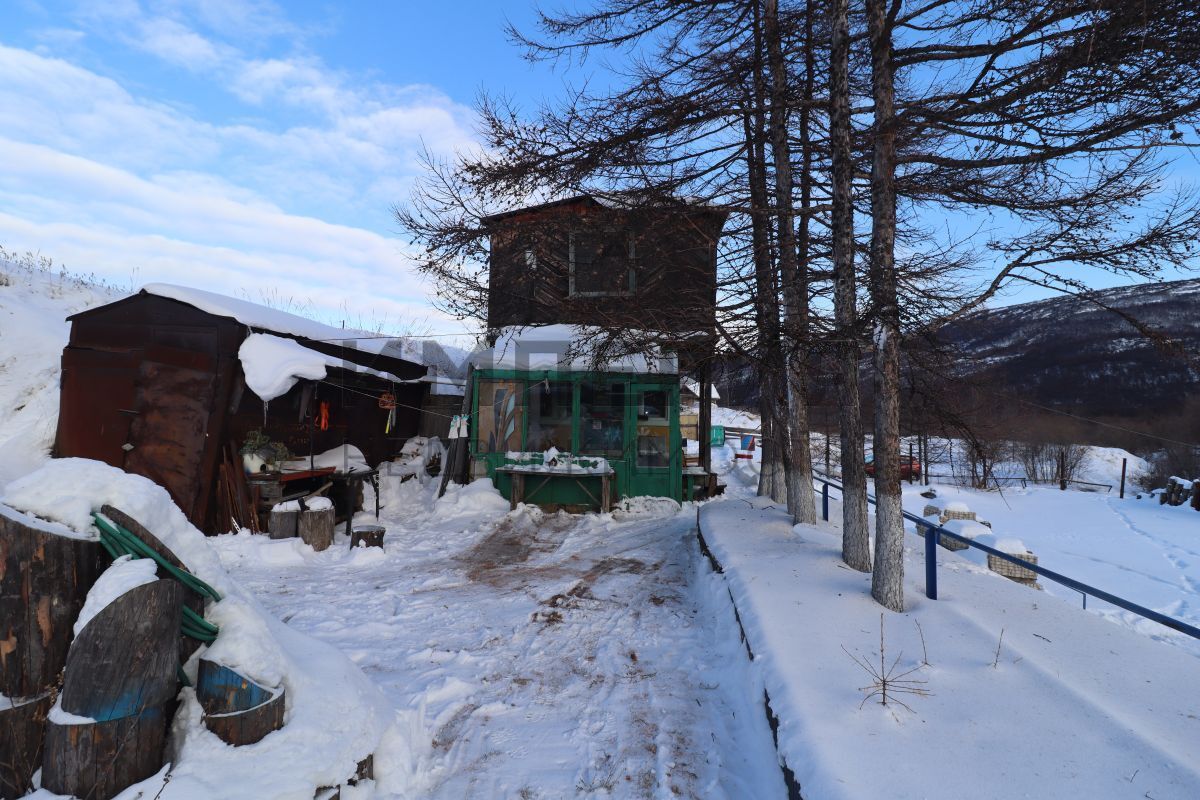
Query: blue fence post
[(931, 543), (825, 501)]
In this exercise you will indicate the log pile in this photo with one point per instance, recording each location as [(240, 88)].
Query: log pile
[(1179, 491)]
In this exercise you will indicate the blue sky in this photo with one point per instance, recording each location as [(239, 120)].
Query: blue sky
[(245, 146), (240, 145)]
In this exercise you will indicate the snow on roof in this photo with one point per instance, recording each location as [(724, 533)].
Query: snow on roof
[(272, 319), (566, 348), (694, 387), (273, 365)]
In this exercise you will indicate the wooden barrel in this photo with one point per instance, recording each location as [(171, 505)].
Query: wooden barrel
[(99, 760), (44, 579), (22, 731), (237, 709), (119, 681), (316, 528), (191, 599)]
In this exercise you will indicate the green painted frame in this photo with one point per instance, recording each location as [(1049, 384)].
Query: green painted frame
[(629, 479)]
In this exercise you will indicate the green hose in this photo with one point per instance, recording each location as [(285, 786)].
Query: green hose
[(118, 541)]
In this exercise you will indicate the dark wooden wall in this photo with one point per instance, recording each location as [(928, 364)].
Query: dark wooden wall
[(155, 387), (674, 263)]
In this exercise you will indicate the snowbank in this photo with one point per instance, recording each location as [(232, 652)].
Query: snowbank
[(1064, 705), (335, 715)]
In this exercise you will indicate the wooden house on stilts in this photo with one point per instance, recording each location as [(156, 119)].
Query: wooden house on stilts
[(596, 311)]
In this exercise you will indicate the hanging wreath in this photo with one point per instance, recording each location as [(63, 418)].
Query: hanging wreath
[(387, 400)]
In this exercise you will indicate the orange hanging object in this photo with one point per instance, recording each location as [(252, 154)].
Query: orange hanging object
[(387, 400), (323, 415)]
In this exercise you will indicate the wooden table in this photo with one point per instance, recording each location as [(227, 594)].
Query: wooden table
[(518, 493)]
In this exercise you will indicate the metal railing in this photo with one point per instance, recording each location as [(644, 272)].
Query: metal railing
[(933, 534)]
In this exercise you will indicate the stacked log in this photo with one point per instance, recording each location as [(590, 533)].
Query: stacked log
[(45, 574), (109, 728)]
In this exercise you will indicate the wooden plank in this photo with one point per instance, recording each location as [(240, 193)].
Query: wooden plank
[(125, 658), (44, 580), (99, 760), (22, 730)]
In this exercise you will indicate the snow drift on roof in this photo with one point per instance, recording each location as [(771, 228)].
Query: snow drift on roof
[(567, 348), (273, 364), (272, 319)]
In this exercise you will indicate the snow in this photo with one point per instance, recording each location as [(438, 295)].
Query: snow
[(33, 332), (533, 655), (273, 365), (261, 317), (564, 348), (1064, 705), (318, 504), (554, 461), (335, 715), (61, 717), (1014, 547), (124, 574), (958, 507), (344, 458)]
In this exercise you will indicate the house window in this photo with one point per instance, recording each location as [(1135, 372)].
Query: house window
[(602, 263), (501, 409), (602, 419), (550, 419)]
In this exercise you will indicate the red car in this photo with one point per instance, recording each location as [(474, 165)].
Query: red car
[(910, 468)]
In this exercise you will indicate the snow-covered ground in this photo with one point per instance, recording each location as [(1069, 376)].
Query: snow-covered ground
[(999, 691), (533, 655)]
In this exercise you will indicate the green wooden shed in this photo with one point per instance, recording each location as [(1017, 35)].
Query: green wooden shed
[(535, 404)]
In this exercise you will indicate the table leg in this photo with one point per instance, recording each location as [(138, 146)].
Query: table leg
[(605, 497), (350, 498), (515, 490)]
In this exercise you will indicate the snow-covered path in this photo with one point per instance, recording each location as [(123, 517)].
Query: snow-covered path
[(533, 655)]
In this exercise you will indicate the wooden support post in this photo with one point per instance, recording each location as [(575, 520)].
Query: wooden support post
[(704, 434), (316, 527), (1123, 464)]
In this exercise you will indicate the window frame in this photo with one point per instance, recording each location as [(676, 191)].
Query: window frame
[(631, 260)]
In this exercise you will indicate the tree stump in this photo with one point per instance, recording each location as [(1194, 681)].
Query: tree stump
[(22, 731), (367, 536), (44, 579), (236, 708), (283, 520), (316, 527)]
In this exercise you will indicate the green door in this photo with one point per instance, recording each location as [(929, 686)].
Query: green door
[(653, 457)]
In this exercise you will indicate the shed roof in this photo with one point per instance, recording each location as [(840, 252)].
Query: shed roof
[(628, 202), (396, 356)]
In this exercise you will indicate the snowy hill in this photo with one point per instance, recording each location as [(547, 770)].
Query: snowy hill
[(1064, 351), (1071, 352), (35, 302)]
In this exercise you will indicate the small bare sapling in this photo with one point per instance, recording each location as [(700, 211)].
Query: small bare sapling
[(886, 681)]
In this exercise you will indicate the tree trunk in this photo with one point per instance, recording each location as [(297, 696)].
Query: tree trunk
[(792, 383), (887, 581), (766, 311), (856, 541)]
